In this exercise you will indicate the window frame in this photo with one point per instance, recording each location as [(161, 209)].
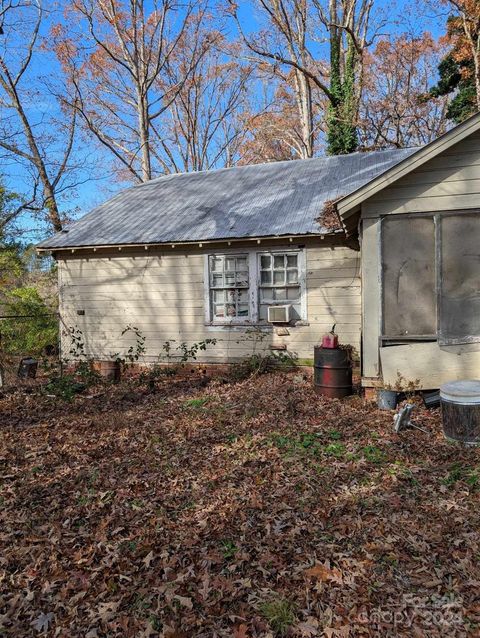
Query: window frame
[(299, 283), (437, 337), (253, 255), (224, 287)]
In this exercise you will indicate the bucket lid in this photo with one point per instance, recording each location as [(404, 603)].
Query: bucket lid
[(465, 391)]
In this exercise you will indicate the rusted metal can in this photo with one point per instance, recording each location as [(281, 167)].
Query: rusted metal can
[(332, 372), (460, 403)]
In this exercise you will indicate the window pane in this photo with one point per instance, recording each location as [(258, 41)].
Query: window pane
[(265, 261), (293, 294), (280, 294), (460, 278), (292, 276), (229, 283), (408, 259), (217, 280), (216, 263), (266, 277), (242, 278), (292, 261), (278, 276), (278, 261)]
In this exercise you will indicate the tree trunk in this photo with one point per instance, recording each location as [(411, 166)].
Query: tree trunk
[(50, 200), (341, 120), (304, 102), (144, 135), (51, 206)]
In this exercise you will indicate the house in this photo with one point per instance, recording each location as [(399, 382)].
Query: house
[(255, 258)]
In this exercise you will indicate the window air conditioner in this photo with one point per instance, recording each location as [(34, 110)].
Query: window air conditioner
[(278, 314)]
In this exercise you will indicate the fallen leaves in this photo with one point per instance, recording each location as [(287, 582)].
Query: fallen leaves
[(136, 516), (43, 621), (325, 573)]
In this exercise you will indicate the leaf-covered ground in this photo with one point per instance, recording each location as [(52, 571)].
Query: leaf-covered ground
[(242, 510)]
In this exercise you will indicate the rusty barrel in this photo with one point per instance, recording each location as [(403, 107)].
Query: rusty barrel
[(332, 372), (460, 403)]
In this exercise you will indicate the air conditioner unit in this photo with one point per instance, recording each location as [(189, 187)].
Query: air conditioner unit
[(278, 314)]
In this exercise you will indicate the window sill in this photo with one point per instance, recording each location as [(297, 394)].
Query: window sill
[(264, 326)]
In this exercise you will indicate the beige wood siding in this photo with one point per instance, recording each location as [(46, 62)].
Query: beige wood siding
[(448, 182), (162, 293), (428, 365)]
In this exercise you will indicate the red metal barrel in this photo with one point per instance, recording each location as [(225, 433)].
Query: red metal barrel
[(332, 372)]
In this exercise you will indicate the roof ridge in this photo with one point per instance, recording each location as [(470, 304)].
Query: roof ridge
[(273, 163)]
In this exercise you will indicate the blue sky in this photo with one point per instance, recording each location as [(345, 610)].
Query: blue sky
[(406, 15)]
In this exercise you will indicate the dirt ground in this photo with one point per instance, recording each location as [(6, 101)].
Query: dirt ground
[(241, 510)]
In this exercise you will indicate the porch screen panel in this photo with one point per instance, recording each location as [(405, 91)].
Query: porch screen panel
[(459, 298), (408, 284)]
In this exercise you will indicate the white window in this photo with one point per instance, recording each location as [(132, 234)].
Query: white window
[(241, 286), (279, 283), (229, 285)]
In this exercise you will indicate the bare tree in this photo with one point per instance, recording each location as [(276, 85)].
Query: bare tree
[(45, 155), (284, 44), (120, 72), (206, 119), (295, 27), (397, 109)]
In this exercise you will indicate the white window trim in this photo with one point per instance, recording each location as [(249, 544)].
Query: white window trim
[(254, 283)]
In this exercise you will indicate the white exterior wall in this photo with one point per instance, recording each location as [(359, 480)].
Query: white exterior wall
[(448, 182), (161, 292)]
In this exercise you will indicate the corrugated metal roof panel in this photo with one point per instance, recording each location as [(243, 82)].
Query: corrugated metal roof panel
[(263, 200)]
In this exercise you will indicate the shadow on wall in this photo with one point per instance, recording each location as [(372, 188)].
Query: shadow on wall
[(160, 295), (163, 296)]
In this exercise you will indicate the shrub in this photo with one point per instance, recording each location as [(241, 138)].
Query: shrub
[(37, 330), (260, 363)]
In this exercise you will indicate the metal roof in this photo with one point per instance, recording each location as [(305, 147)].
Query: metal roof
[(260, 200)]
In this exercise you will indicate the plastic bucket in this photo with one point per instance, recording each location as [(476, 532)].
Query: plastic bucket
[(387, 399)]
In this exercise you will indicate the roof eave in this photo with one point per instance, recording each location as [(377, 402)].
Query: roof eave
[(348, 205), (199, 243)]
